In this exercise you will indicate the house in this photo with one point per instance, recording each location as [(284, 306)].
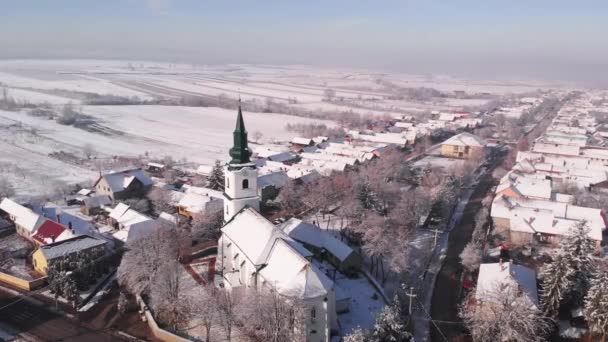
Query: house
[(270, 184), (155, 168), (463, 146), (49, 232), (47, 254), (130, 223), (26, 221), (323, 245), (299, 142), (192, 204), (94, 205), (497, 278), (132, 183), (284, 157), (524, 221), (254, 255)]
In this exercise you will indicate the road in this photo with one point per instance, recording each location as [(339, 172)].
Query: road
[(36, 322)]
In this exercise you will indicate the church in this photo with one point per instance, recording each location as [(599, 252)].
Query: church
[(255, 255)]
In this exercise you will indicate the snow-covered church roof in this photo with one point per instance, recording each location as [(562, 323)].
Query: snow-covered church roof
[(283, 262)]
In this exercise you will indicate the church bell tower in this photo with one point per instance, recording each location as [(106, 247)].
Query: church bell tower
[(241, 176)]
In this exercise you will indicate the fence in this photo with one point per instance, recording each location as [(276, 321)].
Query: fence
[(22, 284)]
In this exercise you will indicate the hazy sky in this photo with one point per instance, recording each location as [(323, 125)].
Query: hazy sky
[(557, 39)]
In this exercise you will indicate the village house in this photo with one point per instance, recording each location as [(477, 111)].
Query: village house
[(254, 255), (26, 221), (131, 224), (50, 232), (495, 278), (463, 146), (47, 254), (324, 245), (525, 221), (132, 183), (270, 184), (192, 204)]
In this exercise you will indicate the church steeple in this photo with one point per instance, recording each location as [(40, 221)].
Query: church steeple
[(240, 151)]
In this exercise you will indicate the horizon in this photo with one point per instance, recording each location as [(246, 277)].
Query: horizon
[(546, 40)]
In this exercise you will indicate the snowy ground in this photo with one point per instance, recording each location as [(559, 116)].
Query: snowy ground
[(201, 135), (13, 251)]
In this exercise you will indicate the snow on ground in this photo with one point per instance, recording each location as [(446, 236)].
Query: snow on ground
[(30, 96), (365, 301)]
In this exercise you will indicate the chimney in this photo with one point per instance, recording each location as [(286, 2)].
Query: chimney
[(70, 226), (58, 218)]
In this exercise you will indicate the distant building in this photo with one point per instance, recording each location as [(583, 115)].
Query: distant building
[(70, 248), (26, 221), (496, 278), (132, 183), (463, 146)]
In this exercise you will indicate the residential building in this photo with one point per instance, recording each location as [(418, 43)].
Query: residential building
[(133, 183), (47, 254), (26, 220), (463, 146)]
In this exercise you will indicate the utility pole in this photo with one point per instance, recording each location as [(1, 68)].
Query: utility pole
[(411, 295), (436, 231)]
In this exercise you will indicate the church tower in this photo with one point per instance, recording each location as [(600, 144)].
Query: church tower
[(241, 176)]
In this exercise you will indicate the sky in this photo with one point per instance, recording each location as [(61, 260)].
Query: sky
[(544, 39)]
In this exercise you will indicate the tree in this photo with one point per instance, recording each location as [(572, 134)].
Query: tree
[(578, 249), (290, 196), (141, 205), (389, 326), (215, 180), (145, 257), (70, 290), (168, 295), (6, 189), (507, 313), (161, 199), (329, 94), (596, 304), (88, 150), (226, 306), (207, 226), (357, 335), (555, 283), (257, 135), (268, 316), (203, 307), (470, 258), (68, 115)]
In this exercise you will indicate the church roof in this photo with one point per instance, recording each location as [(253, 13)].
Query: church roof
[(240, 152)]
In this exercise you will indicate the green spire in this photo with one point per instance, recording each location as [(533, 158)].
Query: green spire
[(240, 152)]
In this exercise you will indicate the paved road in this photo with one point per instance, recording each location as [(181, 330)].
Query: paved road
[(38, 323)]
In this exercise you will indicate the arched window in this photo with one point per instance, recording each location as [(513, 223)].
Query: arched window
[(228, 183), (245, 183), (313, 314)]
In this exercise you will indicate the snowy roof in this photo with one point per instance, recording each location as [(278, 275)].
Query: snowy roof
[(313, 235), (202, 191), (97, 201), (282, 157), (69, 246), (168, 217), (276, 179), (526, 186), (118, 181), (204, 169), (465, 139), (118, 211), (84, 192), (292, 275), (498, 276), (48, 232), (196, 203), (24, 217), (302, 141), (157, 165)]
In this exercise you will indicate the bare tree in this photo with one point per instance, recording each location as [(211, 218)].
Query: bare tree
[(268, 316), (470, 257), (257, 135), (161, 200), (505, 312), (88, 150), (227, 303), (203, 307), (329, 94), (207, 226), (169, 295)]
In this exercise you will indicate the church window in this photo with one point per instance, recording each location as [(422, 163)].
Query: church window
[(228, 183), (235, 256), (245, 183), (243, 263), (313, 315)]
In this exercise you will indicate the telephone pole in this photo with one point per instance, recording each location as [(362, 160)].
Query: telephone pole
[(411, 295), (436, 231)]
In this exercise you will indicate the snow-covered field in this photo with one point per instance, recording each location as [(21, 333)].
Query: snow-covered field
[(200, 134)]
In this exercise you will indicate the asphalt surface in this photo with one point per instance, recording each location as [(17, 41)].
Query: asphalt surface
[(38, 323)]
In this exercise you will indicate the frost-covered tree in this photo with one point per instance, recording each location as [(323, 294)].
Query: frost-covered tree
[(366, 196), (470, 258), (357, 335), (556, 279), (389, 325), (578, 249), (215, 180), (6, 189), (596, 305), (506, 313)]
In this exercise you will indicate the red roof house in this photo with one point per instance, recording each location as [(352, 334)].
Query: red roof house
[(48, 232)]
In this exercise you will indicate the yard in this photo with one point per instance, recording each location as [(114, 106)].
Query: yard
[(14, 251)]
